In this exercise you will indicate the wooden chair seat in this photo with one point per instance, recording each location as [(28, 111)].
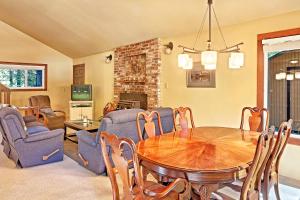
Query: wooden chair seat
[(229, 191)]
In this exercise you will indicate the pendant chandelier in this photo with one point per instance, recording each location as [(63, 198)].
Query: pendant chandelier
[(209, 56)]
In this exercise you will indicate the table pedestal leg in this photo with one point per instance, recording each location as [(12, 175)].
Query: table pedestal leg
[(203, 192)]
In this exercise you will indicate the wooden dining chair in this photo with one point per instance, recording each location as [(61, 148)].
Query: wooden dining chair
[(257, 119), (149, 129), (149, 124), (271, 172), (251, 185), (132, 182), (183, 121)]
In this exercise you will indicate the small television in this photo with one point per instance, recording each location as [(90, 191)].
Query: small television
[(81, 92)]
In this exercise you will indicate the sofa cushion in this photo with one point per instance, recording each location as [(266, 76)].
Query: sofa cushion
[(36, 129), (121, 116), (47, 111)]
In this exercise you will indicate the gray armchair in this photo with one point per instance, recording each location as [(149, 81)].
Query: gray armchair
[(29, 148)]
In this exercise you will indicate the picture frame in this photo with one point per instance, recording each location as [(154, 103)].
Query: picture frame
[(198, 77)]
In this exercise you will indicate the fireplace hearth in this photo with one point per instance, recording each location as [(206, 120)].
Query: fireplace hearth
[(133, 100)]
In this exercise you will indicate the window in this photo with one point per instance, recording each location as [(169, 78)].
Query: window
[(22, 76), (282, 80), (284, 87)]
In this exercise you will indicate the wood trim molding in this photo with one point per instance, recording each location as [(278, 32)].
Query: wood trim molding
[(32, 64), (260, 67), (260, 59)]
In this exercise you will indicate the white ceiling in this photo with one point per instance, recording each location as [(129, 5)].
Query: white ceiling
[(83, 27)]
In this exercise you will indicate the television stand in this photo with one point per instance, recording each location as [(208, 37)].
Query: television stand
[(79, 109)]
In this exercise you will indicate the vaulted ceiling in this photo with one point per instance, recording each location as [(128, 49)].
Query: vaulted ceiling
[(83, 27)]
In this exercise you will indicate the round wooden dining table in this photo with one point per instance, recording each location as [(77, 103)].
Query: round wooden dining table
[(205, 156)]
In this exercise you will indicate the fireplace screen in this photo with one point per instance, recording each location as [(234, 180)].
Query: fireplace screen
[(135, 97)]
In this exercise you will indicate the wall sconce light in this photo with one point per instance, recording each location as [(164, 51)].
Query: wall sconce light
[(168, 48), (108, 59)]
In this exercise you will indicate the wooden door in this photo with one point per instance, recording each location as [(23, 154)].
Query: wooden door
[(78, 74)]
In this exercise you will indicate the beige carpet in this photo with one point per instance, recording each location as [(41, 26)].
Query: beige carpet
[(67, 180), (64, 180)]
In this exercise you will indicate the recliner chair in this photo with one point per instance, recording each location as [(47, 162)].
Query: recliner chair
[(29, 149), (50, 117)]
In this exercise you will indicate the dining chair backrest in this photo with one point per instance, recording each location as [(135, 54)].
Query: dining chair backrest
[(118, 164), (183, 120), (283, 135), (149, 124), (271, 171), (252, 184), (257, 119)]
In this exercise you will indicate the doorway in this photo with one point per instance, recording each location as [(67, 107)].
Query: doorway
[(283, 87), (78, 74)]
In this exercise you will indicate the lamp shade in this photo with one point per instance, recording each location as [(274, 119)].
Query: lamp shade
[(189, 64), (282, 75), (183, 60), (209, 59), (290, 77), (236, 60), (278, 76), (210, 67), (297, 75)]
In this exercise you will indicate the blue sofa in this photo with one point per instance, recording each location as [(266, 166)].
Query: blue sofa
[(121, 123), (29, 146)]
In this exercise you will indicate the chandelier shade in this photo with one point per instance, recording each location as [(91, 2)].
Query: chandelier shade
[(236, 60), (280, 76), (210, 67), (290, 77), (189, 64), (183, 60), (209, 59)]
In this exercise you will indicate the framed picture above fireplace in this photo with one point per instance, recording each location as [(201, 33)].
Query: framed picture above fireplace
[(198, 77)]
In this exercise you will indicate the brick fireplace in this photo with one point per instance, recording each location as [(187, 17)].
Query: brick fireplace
[(137, 70)]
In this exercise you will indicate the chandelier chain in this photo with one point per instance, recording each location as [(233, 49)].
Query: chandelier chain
[(200, 30), (219, 27)]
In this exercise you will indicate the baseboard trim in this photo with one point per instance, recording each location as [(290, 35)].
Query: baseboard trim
[(289, 181)]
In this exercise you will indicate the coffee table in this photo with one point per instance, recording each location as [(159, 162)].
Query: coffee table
[(90, 126)]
